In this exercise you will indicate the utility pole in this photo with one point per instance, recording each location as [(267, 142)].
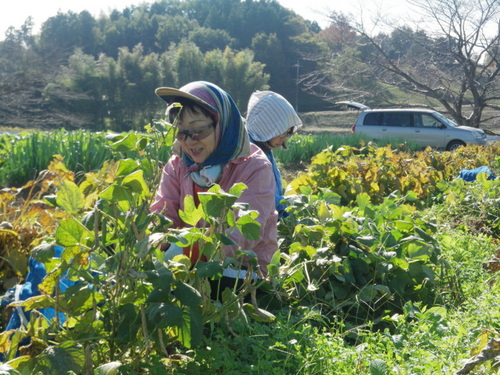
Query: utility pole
[(297, 87)]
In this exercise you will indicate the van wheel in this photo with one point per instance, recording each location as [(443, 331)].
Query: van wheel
[(453, 145)]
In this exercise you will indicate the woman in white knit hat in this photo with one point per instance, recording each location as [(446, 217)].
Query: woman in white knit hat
[(271, 121)]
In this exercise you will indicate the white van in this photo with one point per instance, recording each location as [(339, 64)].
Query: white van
[(421, 126)]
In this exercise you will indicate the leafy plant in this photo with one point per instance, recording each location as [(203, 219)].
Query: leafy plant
[(126, 299), (362, 262), (473, 207), (363, 283), (380, 171)]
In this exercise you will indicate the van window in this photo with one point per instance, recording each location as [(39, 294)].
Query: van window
[(397, 119), (373, 118), (425, 120)]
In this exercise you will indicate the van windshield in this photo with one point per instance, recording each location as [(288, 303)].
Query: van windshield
[(445, 119)]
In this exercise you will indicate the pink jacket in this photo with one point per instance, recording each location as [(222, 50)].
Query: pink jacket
[(255, 171)]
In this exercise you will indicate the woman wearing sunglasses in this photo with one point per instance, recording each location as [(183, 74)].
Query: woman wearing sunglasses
[(215, 149), (271, 121)]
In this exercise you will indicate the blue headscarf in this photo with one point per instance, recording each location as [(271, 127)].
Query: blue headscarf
[(232, 140)]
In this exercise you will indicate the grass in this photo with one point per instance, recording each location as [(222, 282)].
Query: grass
[(24, 155)]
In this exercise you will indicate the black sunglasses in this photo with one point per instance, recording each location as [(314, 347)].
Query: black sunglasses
[(288, 133), (196, 134)]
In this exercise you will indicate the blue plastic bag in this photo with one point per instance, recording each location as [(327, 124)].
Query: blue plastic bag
[(470, 175), (21, 292)]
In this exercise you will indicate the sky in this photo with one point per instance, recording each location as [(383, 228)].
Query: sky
[(15, 12)]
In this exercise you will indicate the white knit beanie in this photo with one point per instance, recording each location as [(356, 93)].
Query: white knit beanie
[(269, 115)]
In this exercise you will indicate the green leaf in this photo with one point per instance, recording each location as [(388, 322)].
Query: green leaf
[(224, 239), (368, 293), (42, 253), (230, 218), (119, 195), (237, 189), (159, 295), (66, 357), (363, 200), (127, 322), (126, 166), (296, 276), (248, 226), (163, 315), (341, 292), (81, 298), (196, 326), (36, 302), (161, 278), (187, 295), (190, 215), (273, 267), (425, 236), (306, 190), (71, 232), (348, 273), (70, 198), (123, 143), (209, 269), (214, 203), (419, 250), (185, 329), (323, 213), (420, 272), (258, 314), (367, 241), (209, 249), (400, 262), (378, 367), (403, 226), (110, 368), (331, 198), (135, 182)]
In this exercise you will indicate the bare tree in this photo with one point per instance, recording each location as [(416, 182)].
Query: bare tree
[(453, 57), (342, 74)]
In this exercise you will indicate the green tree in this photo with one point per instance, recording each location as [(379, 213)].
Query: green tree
[(168, 69), (213, 66), (210, 39), (189, 63), (138, 77), (242, 76), (172, 30), (269, 50), (68, 31)]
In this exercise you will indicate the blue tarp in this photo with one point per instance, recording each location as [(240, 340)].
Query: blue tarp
[(470, 175), (21, 292)]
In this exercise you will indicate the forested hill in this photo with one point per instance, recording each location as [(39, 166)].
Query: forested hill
[(100, 73)]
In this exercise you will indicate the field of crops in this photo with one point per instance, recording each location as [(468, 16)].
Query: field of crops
[(388, 263)]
